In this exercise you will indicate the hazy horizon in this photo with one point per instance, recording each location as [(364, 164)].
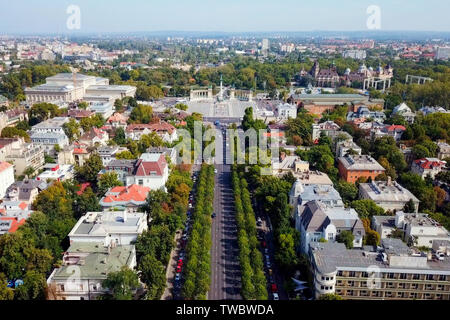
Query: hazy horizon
[(232, 16)]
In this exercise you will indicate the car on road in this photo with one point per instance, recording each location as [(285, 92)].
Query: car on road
[(276, 297), (213, 215), (177, 277), (273, 288), (185, 237), (215, 170), (259, 222)]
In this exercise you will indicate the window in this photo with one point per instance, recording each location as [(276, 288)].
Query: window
[(442, 278), (352, 274), (403, 275), (430, 277), (61, 287)]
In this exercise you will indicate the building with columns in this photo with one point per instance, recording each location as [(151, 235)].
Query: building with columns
[(69, 87)]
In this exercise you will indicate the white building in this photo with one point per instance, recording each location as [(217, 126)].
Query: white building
[(84, 268), (355, 54), (56, 172), (404, 111), (443, 53), (428, 167), (286, 111), (67, 87), (6, 177), (151, 170), (388, 195), (109, 227), (419, 229), (345, 146), (318, 221)]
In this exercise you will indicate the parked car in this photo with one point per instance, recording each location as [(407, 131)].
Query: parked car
[(181, 256), (177, 277), (273, 287), (267, 257), (268, 265), (180, 262), (264, 244), (178, 269), (275, 296), (266, 251), (259, 222), (213, 215), (215, 170), (271, 280), (270, 271)]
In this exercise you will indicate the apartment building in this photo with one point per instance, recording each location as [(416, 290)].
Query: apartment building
[(391, 272), (316, 221), (353, 167), (389, 195), (419, 229)]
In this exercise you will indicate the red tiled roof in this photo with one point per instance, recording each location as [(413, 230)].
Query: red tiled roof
[(117, 117), (395, 128), (14, 223), (83, 187), (427, 164), (144, 168), (157, 127), (4, 166), (125, 194)]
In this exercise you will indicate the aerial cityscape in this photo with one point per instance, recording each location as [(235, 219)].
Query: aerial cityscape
[(224, 161)]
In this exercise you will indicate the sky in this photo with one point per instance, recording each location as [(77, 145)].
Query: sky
[(101, 16)]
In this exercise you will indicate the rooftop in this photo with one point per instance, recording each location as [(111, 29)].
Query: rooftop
[(329, 257), (94, 261), (387, 191), (360, 162)]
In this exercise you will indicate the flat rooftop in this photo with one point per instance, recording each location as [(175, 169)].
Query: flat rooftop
[(332, 256), (361, 162), (94, 261), (385, 191)]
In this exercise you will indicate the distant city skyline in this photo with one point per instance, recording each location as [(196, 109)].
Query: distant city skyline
[(102, 16)]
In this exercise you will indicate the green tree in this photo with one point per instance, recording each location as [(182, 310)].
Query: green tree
[(122, 284), (367, 208), (120, 137), (347, 238), (72, 129), (33, 288), (107, 181), (330, 296), (89, 171), (141, 114), (153, 274), (348, 191), (5, 292), (86, 202)]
